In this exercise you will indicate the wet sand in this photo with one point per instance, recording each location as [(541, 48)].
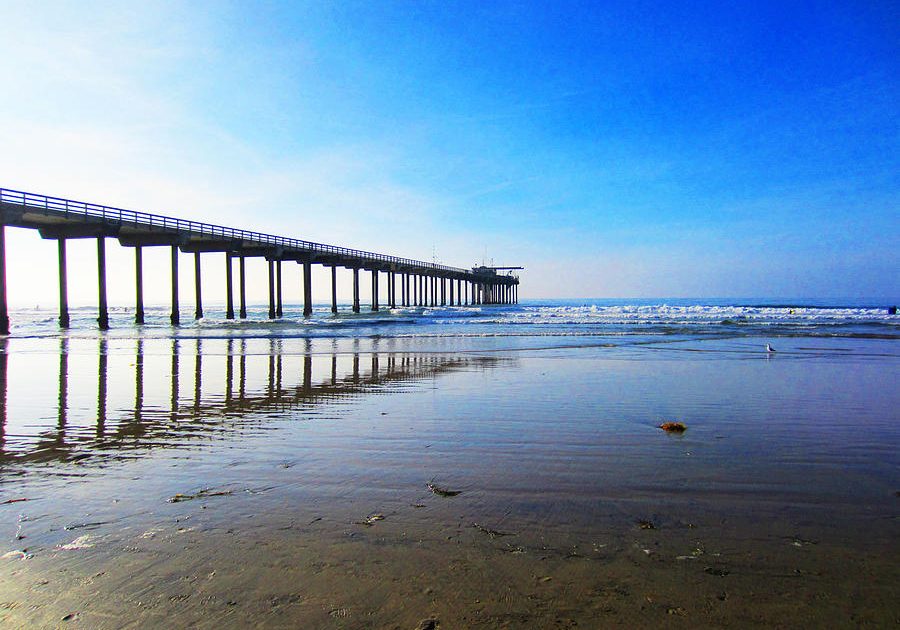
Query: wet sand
[(284, 485)]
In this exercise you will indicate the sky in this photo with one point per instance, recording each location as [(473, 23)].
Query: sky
[(638, 149)]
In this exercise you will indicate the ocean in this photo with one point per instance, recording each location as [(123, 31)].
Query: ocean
[(748, 317)]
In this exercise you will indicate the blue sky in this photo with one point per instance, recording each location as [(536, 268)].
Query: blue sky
[(703, 149)]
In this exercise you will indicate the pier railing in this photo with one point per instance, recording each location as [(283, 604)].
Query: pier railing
[(120, 216)]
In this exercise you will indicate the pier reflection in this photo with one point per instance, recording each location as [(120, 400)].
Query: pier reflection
[(182, 390)]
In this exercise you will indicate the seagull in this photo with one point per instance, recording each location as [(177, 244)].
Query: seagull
[(769, 348)]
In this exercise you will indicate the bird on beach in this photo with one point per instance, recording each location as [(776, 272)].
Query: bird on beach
[(769, 348)]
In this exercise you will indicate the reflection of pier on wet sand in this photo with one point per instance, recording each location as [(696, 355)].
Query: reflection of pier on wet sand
[(236, 393)]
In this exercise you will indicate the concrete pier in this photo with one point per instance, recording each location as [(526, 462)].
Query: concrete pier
[(421, 284)]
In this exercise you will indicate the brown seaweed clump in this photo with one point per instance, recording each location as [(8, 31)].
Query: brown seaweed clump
[(673, 427)]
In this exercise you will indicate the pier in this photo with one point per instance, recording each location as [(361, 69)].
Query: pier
[(409, 282)]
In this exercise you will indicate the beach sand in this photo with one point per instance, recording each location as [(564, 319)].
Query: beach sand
[(289, 488)]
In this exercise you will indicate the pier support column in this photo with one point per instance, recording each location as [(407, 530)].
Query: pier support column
[(175, 315), (443, 292), (374, 289), (355, 290), (271, 289), (242, 280), (450, 282), (434, 291), (393, 289), (307, 288), (103, 311), (198, 293), (229, 293), (63, 289), (139, 285), (334, 289), (278, 306), (4, 310)]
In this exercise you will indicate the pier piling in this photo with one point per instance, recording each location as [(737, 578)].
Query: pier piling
[(4, 312), (175, 316), (374, 290), (279, 311), (138, 285), (334, 289), (307, 288), (243, 286), (229, 293), (271, 288), (103, 315), (198, 298), (63, 290)]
